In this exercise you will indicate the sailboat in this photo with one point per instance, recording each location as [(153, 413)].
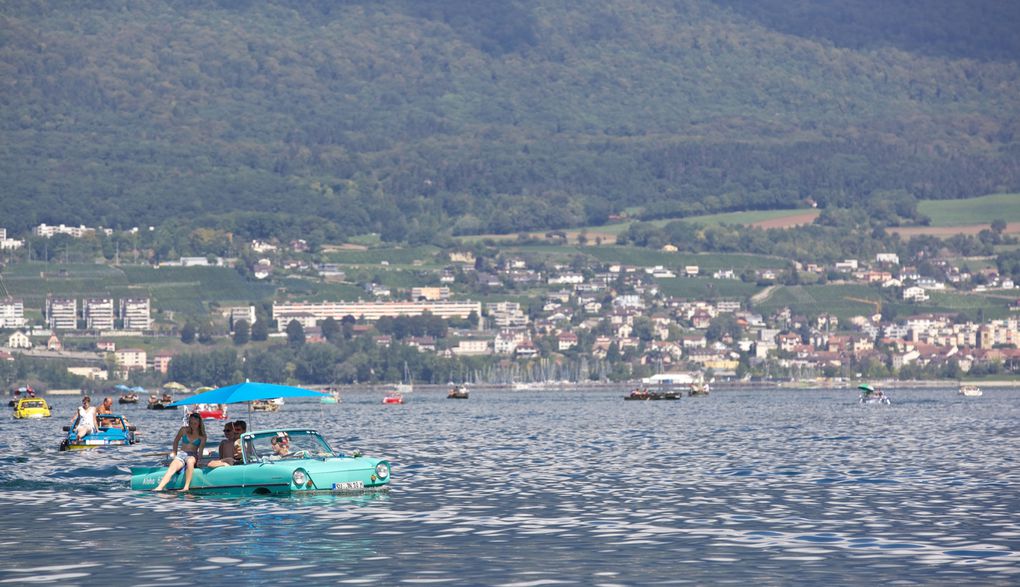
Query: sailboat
[(406, 386)]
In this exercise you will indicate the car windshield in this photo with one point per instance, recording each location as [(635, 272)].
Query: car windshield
[(109, 421), (287, 444), (33, 404)]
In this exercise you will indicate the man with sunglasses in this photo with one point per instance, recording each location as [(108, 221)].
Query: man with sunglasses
[(281, 444), (226, 450)]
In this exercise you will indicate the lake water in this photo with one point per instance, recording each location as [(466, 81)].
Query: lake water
[(773, 487)]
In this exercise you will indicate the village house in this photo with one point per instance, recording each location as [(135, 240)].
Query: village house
[(161, 361), (19, 340), (468, 347), (915, 294), (130, 360), (566, 341), (507, 339), (701, 319), (526, 349), (789, 341), (422, 343), (314, 335), (90, 373), (694, 341)]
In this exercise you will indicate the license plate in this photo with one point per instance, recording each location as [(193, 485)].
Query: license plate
[(348, 485)]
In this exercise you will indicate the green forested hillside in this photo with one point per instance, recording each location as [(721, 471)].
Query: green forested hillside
[(423, 118)]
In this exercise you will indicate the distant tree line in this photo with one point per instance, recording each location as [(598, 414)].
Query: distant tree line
[(425, 119)]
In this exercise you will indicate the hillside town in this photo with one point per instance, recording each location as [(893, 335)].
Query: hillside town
[(593, 320)]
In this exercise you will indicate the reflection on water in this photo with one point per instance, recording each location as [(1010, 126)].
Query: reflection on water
[(533, 488)]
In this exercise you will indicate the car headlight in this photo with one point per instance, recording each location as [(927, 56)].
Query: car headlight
[(382, 470), (299, 478)]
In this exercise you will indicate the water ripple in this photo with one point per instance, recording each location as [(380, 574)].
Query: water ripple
[(556, 488)]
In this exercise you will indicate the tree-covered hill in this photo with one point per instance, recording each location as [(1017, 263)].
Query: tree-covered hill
[(421, 118)]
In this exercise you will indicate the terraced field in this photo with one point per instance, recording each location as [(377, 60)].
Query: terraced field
[(843, 301), (180, 289), (700, 288)]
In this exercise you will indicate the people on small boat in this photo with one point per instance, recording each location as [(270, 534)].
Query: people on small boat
[(87, 423), (191, 442)]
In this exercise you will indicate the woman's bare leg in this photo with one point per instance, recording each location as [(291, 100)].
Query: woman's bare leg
[(189, 472), (175, 466)]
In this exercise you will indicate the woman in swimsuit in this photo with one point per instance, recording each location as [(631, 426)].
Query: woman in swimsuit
[(191, 439)]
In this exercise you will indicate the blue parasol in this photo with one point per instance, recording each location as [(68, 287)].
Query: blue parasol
[(248, 391)]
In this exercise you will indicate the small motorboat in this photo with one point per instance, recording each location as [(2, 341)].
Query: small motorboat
[(267, 405), (970, 391), (458, 392), (333, 396), (870, 395), (639, 393), (211, 411), (20, 393), (699, 388), (114, 430), (31, 407), (128, 398), (393, 398), (161, 402)]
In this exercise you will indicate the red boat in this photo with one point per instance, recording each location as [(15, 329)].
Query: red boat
[(393, 399), (211, 411)]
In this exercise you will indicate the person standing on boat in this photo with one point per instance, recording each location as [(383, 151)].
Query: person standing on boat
[(86, 417), (191, 440)]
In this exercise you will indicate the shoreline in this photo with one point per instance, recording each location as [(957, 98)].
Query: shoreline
[(806, 384)]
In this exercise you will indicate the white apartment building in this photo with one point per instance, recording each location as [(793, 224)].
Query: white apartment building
[(12, 313), (130, 359), (75, 231), (506, 314), (915, 293), (98, 313), (62, 313), (135, 314), (235, 313), (566, 279), (431, 294), (283, 313), (507, 340), (9, 243), (471, 347)]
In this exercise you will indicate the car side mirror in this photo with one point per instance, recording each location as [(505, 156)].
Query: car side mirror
[(132, 428), (67, 428)]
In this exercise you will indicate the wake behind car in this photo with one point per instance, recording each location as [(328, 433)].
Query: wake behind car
[(113, 431), (283, 461)]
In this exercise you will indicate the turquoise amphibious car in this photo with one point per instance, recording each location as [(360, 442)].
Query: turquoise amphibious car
[(285, 461)]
